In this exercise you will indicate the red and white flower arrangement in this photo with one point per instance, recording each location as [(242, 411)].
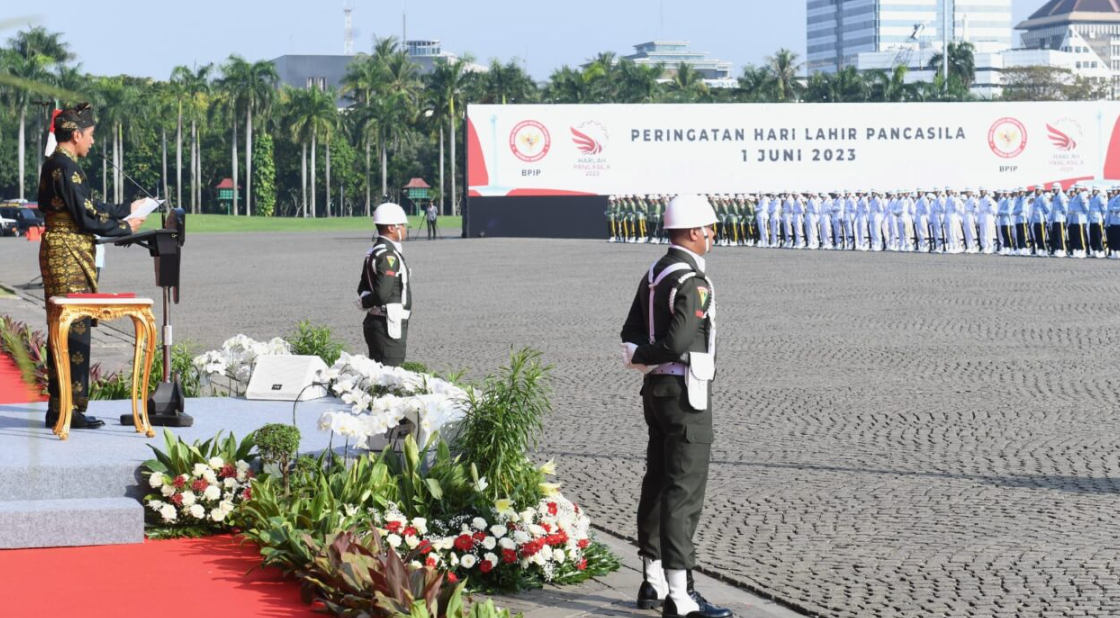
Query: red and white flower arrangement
[(205, 496)]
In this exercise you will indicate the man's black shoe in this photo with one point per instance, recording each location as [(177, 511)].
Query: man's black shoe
[(51, 421), (647, 597), (706, 610), (78, 421), (712, 611)]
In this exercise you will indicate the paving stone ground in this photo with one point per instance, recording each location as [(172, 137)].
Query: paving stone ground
[(896, 435)]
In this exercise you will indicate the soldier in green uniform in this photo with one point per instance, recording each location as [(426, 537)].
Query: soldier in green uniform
[(625, 216), (612, 218), (669, 336), (66, 255), (384, 292), (656, 208)]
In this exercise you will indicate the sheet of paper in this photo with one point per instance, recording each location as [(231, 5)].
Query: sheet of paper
[(146, 208)]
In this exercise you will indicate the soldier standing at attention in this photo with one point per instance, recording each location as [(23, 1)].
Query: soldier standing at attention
[(384, 292), (669, 336)]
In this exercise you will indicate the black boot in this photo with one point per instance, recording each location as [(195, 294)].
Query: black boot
[(647, 597), (707, 610), (78, 420)]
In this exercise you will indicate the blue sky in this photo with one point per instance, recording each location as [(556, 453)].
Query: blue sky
[(150, 37)]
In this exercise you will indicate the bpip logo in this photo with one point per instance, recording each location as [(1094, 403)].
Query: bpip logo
[(530, 141), (1007, 138)]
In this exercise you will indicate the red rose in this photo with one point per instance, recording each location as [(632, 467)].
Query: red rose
[(509, 556), (583, 543), (486, 566), (393, 526), (425, 547), (464, 542), (247, 494), (228, 471), (530, 548), (546, 527), (180, 481), (452, 579), (177, 499), (552, 508), (410, 531), (199, 485), (480, 536), (430, 562), (582, 564)]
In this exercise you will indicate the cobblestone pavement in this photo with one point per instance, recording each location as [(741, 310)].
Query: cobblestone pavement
[(897, 435)]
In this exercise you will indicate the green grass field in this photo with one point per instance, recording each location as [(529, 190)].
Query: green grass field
[(216, 224)]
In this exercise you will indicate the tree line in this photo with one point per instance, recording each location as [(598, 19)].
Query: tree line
[(295, 152)]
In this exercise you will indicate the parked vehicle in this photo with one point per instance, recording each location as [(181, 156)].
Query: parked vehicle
[(21, 218)]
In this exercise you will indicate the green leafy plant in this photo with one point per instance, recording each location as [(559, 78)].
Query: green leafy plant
[(28, 349), (414, 366), (119, 385), (504, 422), (277, 444), (310, 340), (326, 496), (444, 487)]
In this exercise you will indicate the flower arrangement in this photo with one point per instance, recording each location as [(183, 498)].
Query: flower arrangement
[(236, 357), (380, 397)]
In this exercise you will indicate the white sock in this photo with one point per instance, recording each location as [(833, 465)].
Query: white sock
[(655, 576), (678, 591)]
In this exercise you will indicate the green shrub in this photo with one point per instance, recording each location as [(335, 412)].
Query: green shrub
[(309, 340), (119, 385), (415, 367), (504, 422), (443, 489), (28, 349)]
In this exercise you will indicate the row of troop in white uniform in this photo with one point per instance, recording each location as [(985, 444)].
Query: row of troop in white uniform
[(1083, 222)]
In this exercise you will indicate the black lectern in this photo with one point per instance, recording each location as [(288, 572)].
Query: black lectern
[(165, 404)]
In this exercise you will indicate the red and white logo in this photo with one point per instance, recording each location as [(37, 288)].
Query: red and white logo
[(590, 138), (1007, 138), (1064, 134), (530, 141)]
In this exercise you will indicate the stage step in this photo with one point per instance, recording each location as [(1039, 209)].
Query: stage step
[(70, 522)]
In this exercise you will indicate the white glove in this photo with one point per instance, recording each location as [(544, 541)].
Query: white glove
[(627, 356), (358, 301)]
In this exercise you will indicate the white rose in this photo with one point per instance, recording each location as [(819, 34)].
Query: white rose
[(210, 477), (491, 558), (167, 490), (229, 483), (188, 498), (416, 564), (199, 468), (242, 466), (212, 493), (478, 523), (217, 514), (468, 561), (453, 560), (507, 543), (536, 530), (489, 542), (411, 541), (558, 555), (168, 513), (498, 530), (573, 554), (197, 511), (155, 480), (420, 524), (521, 537), (393, 540), (216, 463), (226, 506)]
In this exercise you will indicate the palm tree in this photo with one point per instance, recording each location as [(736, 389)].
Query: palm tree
[(311, 113), (639, 83), (687, 83), (962, 63), (758, 84), (197, 88), (27, 70), (363, 79), (251, 85), (444, 90), (785, 67), (397, 101), (506, 83), (888, 87)]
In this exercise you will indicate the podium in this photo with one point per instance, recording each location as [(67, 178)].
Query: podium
[(165, 405)]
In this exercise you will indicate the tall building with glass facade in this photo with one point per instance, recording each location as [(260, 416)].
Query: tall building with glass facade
[(840, 30)]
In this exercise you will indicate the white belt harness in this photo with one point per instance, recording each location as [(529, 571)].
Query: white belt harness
[(701, 366), (394, 313)]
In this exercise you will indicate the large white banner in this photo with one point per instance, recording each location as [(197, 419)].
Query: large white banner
[(617, 149)]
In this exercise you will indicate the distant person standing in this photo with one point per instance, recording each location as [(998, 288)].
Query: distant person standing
[(384, 292), (433, 215)]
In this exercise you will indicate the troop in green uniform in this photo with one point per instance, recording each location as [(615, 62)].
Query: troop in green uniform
[(384, 292), (669, 336), (66, 255), (612, 219)]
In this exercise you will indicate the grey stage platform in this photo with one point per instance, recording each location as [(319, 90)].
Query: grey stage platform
[(86, 491)]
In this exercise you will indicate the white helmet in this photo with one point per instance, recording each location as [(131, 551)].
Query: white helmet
[(389, 214), (686, 212)]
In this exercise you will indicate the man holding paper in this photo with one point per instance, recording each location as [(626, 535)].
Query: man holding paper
[(669, 336), (66, 255)]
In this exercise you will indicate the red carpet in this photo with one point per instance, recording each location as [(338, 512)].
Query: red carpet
[(12, 387), (189, 578)]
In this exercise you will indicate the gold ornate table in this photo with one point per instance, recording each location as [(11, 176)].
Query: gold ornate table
[(62, 311)]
